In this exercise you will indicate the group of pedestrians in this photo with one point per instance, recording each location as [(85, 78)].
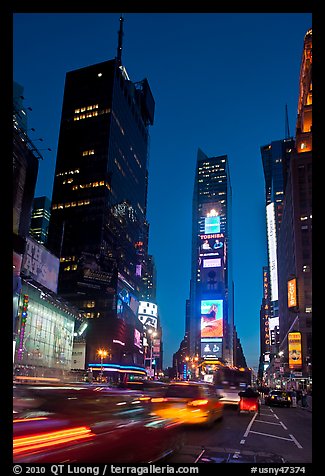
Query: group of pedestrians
[(299, 397)]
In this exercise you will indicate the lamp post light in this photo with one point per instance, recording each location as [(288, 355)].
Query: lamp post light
[(102, 354), (194, 365)]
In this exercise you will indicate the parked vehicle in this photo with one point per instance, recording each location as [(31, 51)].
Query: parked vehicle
[(278, 397), (189, 403), (98, 424)]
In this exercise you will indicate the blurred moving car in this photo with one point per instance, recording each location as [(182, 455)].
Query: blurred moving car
[(71, 423), (150, 387), (189, 403), (278, 397)]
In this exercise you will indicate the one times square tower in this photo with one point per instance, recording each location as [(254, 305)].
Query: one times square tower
[(98, 224), (211, 323)]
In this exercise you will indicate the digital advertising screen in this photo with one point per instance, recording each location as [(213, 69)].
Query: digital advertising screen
[(292, 292), (41, 265), (137, 338), (212, 245), (212, 225), (211, 350), (212, 263), (212, 318), (295, 353)]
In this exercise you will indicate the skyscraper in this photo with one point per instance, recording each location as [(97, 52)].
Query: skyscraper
[(295, 239), (276, 162), (98, 223), (210, 327), (40, 219)]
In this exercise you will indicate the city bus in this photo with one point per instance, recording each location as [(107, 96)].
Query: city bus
[(230, 381)]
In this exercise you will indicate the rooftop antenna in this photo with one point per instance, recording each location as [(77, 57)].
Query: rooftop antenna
[(287, 131), (120, 39)]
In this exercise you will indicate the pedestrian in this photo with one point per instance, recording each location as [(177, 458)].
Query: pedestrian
[(294, 398), (304, 398)]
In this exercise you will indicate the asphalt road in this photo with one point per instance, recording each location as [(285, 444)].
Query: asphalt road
[(277, 435)]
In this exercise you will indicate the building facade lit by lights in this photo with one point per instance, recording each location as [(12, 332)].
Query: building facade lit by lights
[(295, 240), (98, 223), (43, 325), (210, 321)]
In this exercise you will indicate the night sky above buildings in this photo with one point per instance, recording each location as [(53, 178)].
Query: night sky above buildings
[(221, 83)]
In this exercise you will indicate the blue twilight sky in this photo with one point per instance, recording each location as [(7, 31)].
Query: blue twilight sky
[(220, 82)]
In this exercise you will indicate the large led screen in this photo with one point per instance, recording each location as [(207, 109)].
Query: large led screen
[(212, 263), (295, 353), (211, 350), (212, 225), (292, 292), (212, 245), (212, 318)]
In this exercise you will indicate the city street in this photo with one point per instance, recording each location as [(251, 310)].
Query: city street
[(277, 435)]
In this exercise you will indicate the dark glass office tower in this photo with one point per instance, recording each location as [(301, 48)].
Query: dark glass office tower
[(276, 163), (98, 223), (211, 322), (39, 224)]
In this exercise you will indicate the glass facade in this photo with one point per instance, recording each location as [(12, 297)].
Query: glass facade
[(98, 221), (45, 332)]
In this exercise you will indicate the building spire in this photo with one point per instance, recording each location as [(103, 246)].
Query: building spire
[(287, 131), (120, 40)]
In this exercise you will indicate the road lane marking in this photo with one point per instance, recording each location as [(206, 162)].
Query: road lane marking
[(295, 441), (197, 459), (283, 425), (272, 436), (249, 425), (269, 422)]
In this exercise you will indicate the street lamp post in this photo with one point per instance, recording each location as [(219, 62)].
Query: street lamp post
[(194, 365), (102, 354)]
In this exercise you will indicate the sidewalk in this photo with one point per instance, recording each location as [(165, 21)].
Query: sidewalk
[(309, 406)]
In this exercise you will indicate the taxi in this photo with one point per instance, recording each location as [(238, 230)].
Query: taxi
[(189, 403)]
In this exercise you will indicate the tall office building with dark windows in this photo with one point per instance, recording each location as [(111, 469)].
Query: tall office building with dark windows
[(210, 326), (39, 224), (98, 223), (276, 163)]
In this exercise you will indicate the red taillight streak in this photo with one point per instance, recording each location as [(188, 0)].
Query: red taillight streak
[(43, 440), (19, 420)]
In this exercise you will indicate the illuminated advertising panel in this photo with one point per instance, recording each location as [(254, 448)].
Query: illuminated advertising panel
[(212, 263), (212, 318), (78, 360), (156, 348), (212, 225), (40, 265), (294, 347), (148, 321), (146, 307), (137, 338), (292, 292), (211, 350), (271, 238), (148, 314), (212, 245)]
